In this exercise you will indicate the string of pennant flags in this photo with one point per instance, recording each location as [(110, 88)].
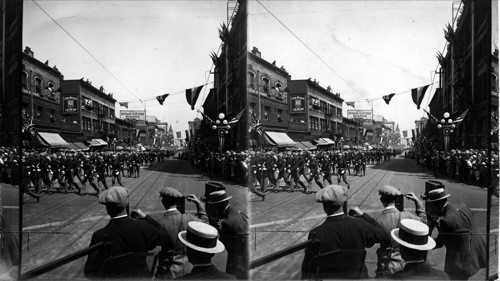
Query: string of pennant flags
[(416, 93), (192, 95)]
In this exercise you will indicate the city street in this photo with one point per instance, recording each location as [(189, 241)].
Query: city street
[(284, 219), (62, 224)]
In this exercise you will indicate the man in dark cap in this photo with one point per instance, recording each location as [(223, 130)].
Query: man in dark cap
[(173, 261), (201, 245), (465, 248), (233, 228), (389, 259), (128, 241), (341, 240), (414, 242)]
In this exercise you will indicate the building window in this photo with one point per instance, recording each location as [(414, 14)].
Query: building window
[(251, 80), (39, 113), (339, 111), (279, 91), (24, 80), (52, 116), (112, 113), (280, 115), (266, 112), (38, 85), (265, 86)]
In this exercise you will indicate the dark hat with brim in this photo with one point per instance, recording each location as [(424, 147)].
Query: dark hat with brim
[(218, 197), (435, 195)]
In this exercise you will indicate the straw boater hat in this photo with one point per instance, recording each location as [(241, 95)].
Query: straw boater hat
[(414, 235), (435, 195), (218, 197), (201, 237)]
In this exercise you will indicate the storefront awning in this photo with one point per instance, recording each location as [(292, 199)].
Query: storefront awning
[(53, 139), (73, 146), (80, 145), (280, 139), (300, 145), (101, 142), (325, 141), (328, 141), (308, 145)]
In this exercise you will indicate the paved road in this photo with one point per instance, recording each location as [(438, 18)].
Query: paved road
[(284, 219), (63, 223)]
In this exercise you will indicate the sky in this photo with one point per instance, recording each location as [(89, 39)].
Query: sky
[(151, 47), (371, 48)]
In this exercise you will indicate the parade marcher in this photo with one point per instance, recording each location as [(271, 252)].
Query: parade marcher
[(314, 172), (172, 260), (101, 172), (71, 169), (116, 167), (297, 169), (124, 235), (414, 242), (435, 164), (202, 244), (233, 228), (465, 248), (389, 259), (88, 174), (346, 237), (341, 166)]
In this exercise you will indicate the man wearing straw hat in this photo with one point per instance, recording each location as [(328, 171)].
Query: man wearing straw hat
[(465, 248), (201, 245), (414, 242), (233, 228), (389, 259)]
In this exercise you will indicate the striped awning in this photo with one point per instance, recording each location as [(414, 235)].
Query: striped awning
[(280, 139), (308, 145), (53, 139), (100, 141), (80, 145)]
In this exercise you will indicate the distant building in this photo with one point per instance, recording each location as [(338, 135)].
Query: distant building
[(267, 94), (315, 112), (469, 77), (90, 108), (41, 95)]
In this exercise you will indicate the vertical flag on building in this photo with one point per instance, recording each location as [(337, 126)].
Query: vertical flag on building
[(187, 135), (461, 117), (237, 117), (387, 98), (417, 95), (413, 134), (124, 104), (161, 98), (434, 120), (405, 134), (364, 132), (350, 103), (192, 95)]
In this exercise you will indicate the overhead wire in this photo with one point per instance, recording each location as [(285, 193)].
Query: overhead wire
[(86, 50), (309, 48)]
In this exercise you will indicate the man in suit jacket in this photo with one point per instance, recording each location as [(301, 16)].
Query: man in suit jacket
[(341, 240), (413, 238), (202, 244), (389, 259), (233, 229), (173, 261), (129, 241), (465, 248)]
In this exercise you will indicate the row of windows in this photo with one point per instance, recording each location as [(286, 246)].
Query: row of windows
[(322, 106), (41, 114), (96, 107), (266, 113), (323, 124), (96, 125), (38, 85)]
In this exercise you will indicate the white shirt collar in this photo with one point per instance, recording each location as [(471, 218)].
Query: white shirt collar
[(172, 209), (419, 261), (337, 214), (202, 264), (390, 207), (119, 217)]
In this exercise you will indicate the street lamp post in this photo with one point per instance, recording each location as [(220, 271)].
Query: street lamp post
[(222, 126), (447, 124)]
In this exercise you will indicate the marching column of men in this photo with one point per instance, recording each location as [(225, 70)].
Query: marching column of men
[(61, 171), (266, 169)]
